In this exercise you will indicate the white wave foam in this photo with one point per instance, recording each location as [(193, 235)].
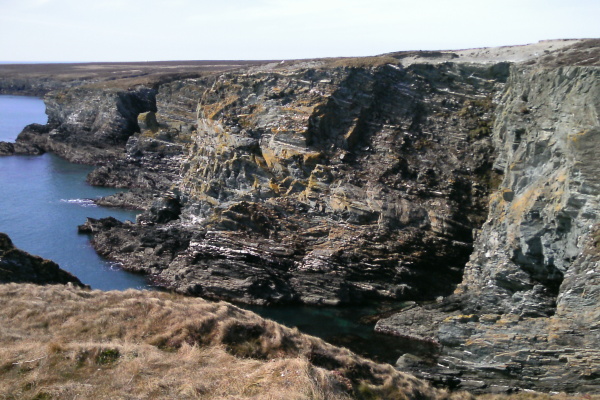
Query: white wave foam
[(81, 202)]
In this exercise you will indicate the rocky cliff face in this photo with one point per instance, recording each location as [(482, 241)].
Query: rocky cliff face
[(117, 130), (526, 312), (546, 140), (90, 125), (453, 176), (531, 263), (326, 185)]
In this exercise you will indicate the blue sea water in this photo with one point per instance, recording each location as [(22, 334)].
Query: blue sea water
[(18, 111), (44, 198)]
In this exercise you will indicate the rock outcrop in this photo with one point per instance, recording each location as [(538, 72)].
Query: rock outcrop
[(12, 149), (20, 267), (109, 128), (526, 313), (324, 185), (467, 177), (90, 125)]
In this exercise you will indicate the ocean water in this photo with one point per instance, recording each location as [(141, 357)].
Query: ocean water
[(18, 111), (44, 198), (347, 326)]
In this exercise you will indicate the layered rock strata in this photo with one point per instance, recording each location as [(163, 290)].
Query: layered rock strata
[(116, 130), (90, 125), (526, 313), (347, 181), (324, 186)]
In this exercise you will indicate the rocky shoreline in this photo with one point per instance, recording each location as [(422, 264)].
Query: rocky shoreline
[(446, 177), (18, 266)]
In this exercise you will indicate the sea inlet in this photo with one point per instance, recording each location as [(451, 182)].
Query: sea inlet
[(44, 199)]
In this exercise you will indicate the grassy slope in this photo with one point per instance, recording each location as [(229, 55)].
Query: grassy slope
[(67, 343), (62, 342)]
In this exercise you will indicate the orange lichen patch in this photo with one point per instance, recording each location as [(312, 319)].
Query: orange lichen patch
[(211, 111), (353, 134), (260, 161), (256, 183), (463, 318), (524, 201), (575, 137), (299, 109), (274, 187), (312, 158), (270, 157)]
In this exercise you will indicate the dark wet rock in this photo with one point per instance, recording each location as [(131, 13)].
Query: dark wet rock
[(20, 267), (134, 199), (93, 225), (163, 210), (25, 147), (19, 149)]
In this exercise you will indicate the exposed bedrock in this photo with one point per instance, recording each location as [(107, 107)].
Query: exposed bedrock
[(346, 185), (90, 125), (474, 185), (118, 131), (20, 267), (527, 312), (152, 157), (24, 148), (323, 186)]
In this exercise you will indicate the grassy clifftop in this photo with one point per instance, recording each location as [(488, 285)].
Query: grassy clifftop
[(59, 342), (62, 342)]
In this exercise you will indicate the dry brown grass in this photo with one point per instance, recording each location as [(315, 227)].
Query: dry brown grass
[(363, 62), (60, 342), (114, 75)]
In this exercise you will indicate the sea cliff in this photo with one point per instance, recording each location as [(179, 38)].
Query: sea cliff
[(467, 179)]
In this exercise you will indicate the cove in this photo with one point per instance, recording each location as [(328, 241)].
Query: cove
[(43, 200)]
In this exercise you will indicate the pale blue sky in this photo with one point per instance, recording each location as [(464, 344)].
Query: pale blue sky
[(136, 30)]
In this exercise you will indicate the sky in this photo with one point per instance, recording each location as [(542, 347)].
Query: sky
[(155, 30)]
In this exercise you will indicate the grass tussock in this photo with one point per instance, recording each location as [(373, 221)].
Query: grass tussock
[(60, 342)]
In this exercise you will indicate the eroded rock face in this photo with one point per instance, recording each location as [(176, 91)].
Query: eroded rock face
[(322, 184), (118, 131), (547, 142), (526, 313), (90, 125), (20, 267), (327, 186)]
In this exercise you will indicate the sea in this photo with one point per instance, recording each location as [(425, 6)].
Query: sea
[(43, 199)]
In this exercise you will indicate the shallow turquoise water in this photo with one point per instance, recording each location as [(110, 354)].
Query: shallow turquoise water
[(44, 198)]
